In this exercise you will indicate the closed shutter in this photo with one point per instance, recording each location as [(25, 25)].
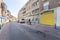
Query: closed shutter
[(47, 18)]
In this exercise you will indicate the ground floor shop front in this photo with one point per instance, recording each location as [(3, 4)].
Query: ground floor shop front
[(47, 17)]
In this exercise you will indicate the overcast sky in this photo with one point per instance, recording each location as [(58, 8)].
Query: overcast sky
[(15, 5)]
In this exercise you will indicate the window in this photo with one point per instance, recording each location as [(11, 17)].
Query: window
[(36, 19), (37, 10), (35, 3), (23, 8), (24, 12), (33, 11), (46, 6)]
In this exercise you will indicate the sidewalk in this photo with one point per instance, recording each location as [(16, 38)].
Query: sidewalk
[(50, 30), (0, 31)]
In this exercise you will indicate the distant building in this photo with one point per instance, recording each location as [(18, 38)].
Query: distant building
[(5, 14), (9, 17), (20, 15), (12, 18)]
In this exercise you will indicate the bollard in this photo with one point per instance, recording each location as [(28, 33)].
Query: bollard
[(0, 26), (55, 26)]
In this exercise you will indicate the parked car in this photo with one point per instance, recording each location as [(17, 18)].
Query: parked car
[(22, 21)]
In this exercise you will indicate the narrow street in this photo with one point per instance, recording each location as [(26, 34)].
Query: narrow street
[(29, 20), (15, 31)]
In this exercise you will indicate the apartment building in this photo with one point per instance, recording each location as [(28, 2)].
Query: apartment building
[(49, 4), (54, 3), (12, 18), (3, 9), (0, 6), (20, 15), (9, 17), (30, 11), (47, 14), (5, 14), (39, 11)]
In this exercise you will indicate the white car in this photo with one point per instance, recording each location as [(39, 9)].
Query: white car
[(22, 21)]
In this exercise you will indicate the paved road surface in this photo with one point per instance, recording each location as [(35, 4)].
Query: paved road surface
[(15, 31)]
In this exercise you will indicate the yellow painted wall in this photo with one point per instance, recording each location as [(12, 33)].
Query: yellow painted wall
[(47, 18)]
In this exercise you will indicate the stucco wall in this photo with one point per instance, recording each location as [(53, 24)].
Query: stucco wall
[(58, 17)]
